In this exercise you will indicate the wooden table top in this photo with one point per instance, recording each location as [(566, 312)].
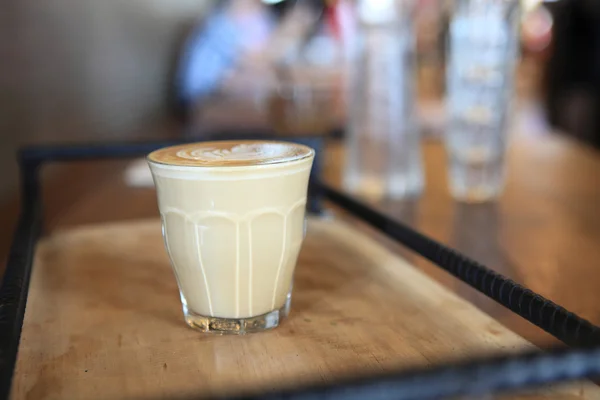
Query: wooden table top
[(543, 231), (104, 320)]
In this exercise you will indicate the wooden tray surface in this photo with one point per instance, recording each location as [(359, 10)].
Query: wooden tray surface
[(104, 320)]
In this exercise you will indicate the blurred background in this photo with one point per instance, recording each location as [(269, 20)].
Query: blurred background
[(75, 70), (87, 70), (110, 70)]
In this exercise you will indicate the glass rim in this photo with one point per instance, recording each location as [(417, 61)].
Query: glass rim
[(310, 153)]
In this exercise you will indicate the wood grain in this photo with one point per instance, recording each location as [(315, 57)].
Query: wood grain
[(542, 231), (104, 320)]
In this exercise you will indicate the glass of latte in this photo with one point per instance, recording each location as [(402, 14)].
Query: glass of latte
[(233, 215)]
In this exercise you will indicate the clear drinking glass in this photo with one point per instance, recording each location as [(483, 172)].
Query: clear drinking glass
[(383, 146), (233, 219), (482, 54)]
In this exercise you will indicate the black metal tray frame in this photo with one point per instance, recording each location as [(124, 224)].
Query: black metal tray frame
[(474, 377)]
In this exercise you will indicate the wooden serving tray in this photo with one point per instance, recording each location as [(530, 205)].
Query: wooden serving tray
[(104, 320)]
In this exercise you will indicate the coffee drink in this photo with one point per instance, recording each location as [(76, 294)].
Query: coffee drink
[(233, 223)]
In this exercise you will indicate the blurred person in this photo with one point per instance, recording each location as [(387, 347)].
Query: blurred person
[(215, 46), (240, 35)]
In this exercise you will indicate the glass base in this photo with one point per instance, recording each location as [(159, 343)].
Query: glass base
[(476, 182), (476, 195), (237, 326)]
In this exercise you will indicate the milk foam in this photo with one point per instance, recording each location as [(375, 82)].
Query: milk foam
[(230, 173), (240, 153)]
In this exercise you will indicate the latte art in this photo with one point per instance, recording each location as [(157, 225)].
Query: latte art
[(237, 152), (230, 153)]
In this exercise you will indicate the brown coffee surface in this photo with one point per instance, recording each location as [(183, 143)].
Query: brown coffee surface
[(234, 153)]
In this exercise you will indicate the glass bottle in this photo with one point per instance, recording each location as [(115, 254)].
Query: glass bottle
[(382, 143)]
